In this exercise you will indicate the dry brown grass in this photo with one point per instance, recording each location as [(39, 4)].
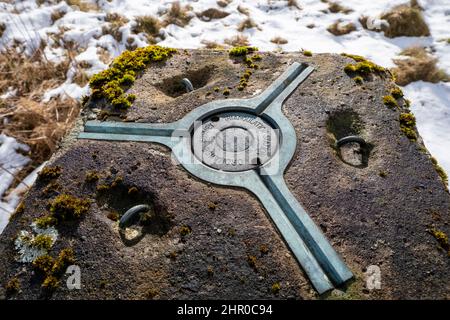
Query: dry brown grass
[(247, 24), (237, 41), (116, 21), (243, 10), (150, 25), (83, 5), (223, 3), (405, 20), (178, 15), (293, 3), (57, 14), (339, 29), (25, 116), (335, 7), (419, 65), (212, 44), (278, 40), (212, 13)]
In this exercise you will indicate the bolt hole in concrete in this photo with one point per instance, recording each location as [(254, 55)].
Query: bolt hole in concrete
[(117, 200), (175, 87), (347, 123)]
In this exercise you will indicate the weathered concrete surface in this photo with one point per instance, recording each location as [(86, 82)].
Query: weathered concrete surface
[(369, 219)]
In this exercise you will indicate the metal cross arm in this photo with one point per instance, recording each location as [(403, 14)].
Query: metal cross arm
[(245, 143)]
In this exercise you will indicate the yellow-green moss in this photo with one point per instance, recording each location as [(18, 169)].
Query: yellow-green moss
[(50, 283), (307, 53), (68, 207), (44, 264), (407, 125), (117, 181), (216, 89), (65, 258), (363, 67), (354, 57), (12, 286), (92, 176), (103, 187), (212, 206), (390, 101), (241, 51), (42, 241), (133, 190), (383, 174), (49, 173), (112, 83), (441, 172), (263, 249), (251, 260), (185, 230), (397, 93), (210, 270), (226, 92), (442, 239), (114, 216), (358, 79), (276, 287), (19, 210)]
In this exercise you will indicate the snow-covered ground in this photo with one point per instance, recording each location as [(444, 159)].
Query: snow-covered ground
[(29, 23)]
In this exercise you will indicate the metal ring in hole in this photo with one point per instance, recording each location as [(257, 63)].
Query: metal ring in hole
[(127, 219), (187, 84), (350, 139)]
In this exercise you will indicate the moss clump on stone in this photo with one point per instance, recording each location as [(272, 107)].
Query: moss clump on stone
[(442, 239), (92, 176), (117, 181), (19, 210), (307, 53), (407, 124), (358, 79), (45, 221), (276, 287), (263, 249), (12, 286), (114, 216), (212, 206), (50, 283), (241, 51), (49, 173), (67, 207), (133, 190), (390, 101), (185, 230), (103, 187), (383, 174), (112, 83), (226, 92), (210, 271), (216, 89), (362, 67), (441, 172), (397, 93), (44, 263), (251, 260), (42, 241), (65, 258)]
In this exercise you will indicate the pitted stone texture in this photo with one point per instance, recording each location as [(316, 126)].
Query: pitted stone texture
[(369, 219), (234, 141)]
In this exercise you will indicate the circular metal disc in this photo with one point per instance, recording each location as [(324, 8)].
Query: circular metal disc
[(234, 141)]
